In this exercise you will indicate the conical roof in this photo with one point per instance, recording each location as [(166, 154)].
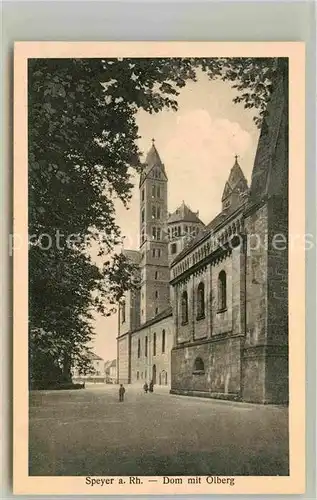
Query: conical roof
[(235, 181), (152, 160)]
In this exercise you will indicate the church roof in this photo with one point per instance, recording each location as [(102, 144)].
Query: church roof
[(152, 160), (270, 171), (162, 315), (184, 214), (207, 230), (94, 357), (133, 255), (236, 180)]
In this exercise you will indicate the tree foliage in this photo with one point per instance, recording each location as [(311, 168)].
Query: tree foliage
[(82, 139), (252, 78)]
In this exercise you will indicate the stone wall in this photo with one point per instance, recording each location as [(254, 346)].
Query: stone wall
[(222, 368), (216, 338), (253, 368), (125, 326), (215, 321), (142, 367), (221, 320), (123, 360), (256, 227), (265, 357), (152, 305)]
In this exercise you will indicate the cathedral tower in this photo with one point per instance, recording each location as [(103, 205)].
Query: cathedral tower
[(153, 237)]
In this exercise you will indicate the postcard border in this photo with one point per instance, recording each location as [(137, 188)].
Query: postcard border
[(295, 483)]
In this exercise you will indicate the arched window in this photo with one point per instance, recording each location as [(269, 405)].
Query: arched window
[(199, 366), (145, 348), (139, 348), (201, 301), (173, 248), (184, 313), (123, 311), (222, 290), (154, 344), (163, 341)]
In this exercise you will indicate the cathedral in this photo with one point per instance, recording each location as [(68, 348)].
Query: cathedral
[(210, 315)]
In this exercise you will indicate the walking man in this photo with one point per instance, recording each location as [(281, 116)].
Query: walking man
[(121, 392)]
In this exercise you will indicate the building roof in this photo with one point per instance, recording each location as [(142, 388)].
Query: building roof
[(210, 228), (236, 180), (133, 255), (113, 363), (162, 315), (94, 357), (235, 183), (184, 214), (152, 160), (270, 171)]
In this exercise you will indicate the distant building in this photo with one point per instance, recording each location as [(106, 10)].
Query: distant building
[(113, 371), (107, 368), (96, 370)]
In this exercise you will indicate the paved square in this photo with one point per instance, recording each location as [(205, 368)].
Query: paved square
[(89, 432)]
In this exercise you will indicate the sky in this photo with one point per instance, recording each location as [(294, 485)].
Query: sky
[(197, 145)]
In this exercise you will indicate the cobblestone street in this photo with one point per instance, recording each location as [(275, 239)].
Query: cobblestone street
[(88, 432)]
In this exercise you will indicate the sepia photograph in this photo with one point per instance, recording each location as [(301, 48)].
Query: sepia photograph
[(158, 260)]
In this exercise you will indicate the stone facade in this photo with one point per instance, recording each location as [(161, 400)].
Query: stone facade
[(150, 352), (221, 296), (145, 353), (240, 351)]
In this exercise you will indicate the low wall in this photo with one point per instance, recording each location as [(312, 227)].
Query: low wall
[(221, 376)]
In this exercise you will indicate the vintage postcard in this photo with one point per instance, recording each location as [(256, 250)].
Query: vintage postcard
[(159, 238)]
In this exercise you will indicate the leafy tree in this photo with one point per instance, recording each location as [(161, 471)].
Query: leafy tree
[(252, 78), (82, 143)]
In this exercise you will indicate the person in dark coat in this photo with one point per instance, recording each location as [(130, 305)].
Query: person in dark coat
[(145, 387), (151, 386), (121, 392)]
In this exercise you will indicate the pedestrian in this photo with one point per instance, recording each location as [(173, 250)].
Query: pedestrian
[(151, 386), (121, 392), (145, 387)]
